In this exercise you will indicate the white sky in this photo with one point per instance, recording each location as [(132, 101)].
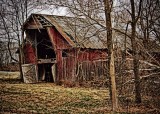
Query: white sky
[(60, 11)]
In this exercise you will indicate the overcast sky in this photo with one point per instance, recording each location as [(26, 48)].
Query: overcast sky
[(60, 11)]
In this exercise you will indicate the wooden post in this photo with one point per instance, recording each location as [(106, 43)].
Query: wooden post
[(59, 65), (36, 56)]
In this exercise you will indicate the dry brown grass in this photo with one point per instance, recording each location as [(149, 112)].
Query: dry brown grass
[(9, 75), (18, 97), (48, 98)]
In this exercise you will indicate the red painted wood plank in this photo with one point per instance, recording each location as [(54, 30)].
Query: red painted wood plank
[(29, 54)]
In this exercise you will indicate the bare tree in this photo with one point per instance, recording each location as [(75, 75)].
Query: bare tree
[(135, 50), (12, 15), (111, 65), (149, 21)]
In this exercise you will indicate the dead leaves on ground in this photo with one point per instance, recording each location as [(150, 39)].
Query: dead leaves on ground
[(49, 98)]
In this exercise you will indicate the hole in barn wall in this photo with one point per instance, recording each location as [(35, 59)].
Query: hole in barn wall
[(44, 47), (64, 54)]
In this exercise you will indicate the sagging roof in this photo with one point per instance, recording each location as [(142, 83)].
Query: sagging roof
[(79, 32)]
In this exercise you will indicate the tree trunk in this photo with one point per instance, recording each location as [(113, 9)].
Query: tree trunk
[(21, 55), (20, 63), (135, 55), (111, 67)]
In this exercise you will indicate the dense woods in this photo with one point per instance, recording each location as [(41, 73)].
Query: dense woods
[(129, 29)]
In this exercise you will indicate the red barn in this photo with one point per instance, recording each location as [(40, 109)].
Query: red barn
[(63, 49)]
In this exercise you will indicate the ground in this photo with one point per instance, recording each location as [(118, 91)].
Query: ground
[(9, 75), (17, 97)]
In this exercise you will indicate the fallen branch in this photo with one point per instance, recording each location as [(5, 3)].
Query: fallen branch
[(142, 77), (129, 71)]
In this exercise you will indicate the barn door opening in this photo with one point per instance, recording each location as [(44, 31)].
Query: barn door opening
[(46, 72), (46, 57)]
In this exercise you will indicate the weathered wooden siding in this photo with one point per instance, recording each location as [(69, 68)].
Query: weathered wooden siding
[(57, 40), (81, 65), (68, 72), (29, 54), (91, 54), (58, 43), (93, 72)]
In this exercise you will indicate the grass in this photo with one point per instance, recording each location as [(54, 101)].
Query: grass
[(9, 75), (49, 98), (19, 98)]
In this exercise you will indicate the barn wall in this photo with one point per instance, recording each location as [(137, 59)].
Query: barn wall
[(87, 54), (29, 54), (88, 66), (59, 65), (58, 43), (91, 54), (91, 73), (69, 71)]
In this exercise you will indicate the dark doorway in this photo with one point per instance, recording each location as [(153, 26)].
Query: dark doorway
[(44, 46), (45, 72), (45, 51)]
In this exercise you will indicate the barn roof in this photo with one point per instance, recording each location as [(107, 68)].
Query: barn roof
[(79, 32)]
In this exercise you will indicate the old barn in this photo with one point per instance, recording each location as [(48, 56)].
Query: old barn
[(63, 49)]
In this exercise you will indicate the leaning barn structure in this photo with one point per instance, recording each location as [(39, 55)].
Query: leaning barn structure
[(62, 49)]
